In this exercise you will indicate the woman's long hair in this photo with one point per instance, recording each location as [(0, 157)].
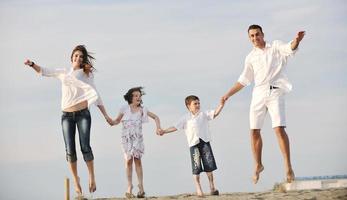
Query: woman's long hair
[(87, 59)]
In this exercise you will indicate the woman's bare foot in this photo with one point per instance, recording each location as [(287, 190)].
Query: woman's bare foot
[(290, 176), (78, 188), (257, 172)]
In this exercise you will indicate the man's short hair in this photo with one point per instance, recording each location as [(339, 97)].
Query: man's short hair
[(255, 26)]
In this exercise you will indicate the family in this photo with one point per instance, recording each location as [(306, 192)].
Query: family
[(264, 66)]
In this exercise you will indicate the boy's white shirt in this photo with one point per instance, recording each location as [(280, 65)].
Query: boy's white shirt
[(196, 126)]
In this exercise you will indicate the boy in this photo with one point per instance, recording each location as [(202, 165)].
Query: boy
[(195, 125)]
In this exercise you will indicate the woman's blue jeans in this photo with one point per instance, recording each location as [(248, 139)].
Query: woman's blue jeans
[(82, 119)]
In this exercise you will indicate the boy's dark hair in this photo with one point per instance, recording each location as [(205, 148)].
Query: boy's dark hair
[(129, 95), (190, 98), (255, 26)]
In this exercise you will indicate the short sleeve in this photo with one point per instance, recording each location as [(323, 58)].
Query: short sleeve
[(124, 109), (247, 74), (181, 124), (55, 72), (144, 115), (209, 114), (285, 49)]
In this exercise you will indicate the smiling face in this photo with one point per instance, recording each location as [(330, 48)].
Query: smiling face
[(136, 98), (194, 106), (77, 59), (257, 37)]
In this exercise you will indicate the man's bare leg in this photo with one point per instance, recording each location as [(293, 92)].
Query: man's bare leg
[(283, 142), (257, 146)]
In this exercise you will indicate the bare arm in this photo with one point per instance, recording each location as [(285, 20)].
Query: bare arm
[(32, 65), (234, 89), (157, 121), (299, 36), (168, 130), (104, 113), (118, 119), (219, 108)]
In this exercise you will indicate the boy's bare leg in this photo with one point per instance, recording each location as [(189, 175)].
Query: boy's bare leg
[(257, 146), (73, 169), (211, 181), (283, 142), (198, 185), (139, 172), (92, 184), (129, 173)]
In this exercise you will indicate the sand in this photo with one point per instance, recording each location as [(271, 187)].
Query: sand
[(325, 194)]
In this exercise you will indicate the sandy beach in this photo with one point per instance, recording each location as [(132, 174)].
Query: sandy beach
[(325, 194)]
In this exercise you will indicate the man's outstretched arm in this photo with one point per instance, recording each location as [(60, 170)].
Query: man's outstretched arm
[(299, 36)]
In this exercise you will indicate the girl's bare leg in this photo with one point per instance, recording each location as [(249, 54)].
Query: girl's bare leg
[(129, 173), (139, 172)]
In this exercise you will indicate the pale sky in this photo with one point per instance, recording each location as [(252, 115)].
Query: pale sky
[(173, 49)]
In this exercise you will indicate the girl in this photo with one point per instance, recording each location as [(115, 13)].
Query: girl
[(132, 116), (78, 93)]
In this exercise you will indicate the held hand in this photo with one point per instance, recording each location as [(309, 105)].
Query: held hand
[(222, 101), (160, 132), (299, 36), (224, 98), (109, 120)]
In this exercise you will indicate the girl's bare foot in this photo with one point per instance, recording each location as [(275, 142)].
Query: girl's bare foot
[(141, 193), (257, 172), (290, 176), (130, 189)]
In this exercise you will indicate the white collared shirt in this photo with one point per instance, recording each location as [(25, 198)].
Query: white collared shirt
[(196, 126), (76, 86), (267, 67)]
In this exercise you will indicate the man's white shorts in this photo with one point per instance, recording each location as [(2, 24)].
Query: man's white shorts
[(269, 100)]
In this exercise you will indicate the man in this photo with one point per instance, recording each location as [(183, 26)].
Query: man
[(265, 65)]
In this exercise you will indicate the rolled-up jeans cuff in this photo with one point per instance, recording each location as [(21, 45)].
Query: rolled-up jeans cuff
[(88, 156), (71, 158)]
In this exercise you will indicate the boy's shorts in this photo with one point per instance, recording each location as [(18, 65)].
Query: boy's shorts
[(272, 101), (202, 158)]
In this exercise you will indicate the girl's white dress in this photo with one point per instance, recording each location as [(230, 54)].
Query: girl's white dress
[(132, 138)]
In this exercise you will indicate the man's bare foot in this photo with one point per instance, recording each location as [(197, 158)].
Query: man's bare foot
[(78, 188), (258, 170), (290, 176)]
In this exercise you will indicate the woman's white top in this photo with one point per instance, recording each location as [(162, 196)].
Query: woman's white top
[(77, 86)]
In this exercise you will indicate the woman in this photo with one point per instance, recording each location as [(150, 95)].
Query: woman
[(78, 93)]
